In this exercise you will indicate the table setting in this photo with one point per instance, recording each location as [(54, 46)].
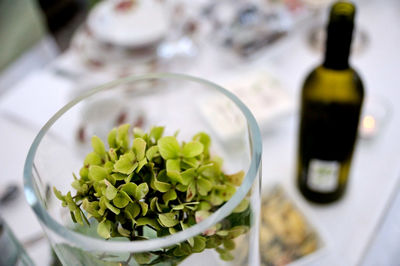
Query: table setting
[(232, 69)]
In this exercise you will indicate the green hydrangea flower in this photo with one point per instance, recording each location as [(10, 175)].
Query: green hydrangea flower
[(153, 186)]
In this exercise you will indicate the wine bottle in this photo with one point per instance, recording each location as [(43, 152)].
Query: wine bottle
[(331, 101)]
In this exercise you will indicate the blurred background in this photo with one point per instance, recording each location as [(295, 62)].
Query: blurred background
[(52, 51)]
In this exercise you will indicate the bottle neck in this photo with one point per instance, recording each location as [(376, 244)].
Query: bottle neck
[(338, 41)]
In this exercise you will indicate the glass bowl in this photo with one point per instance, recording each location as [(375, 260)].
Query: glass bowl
[(182, 104)]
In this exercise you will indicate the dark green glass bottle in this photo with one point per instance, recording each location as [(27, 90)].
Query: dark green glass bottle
[(331, 101)]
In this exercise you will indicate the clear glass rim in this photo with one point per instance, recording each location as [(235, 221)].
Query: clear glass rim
[(91, 243)]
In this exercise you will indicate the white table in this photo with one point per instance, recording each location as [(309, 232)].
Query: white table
[(349, 225)]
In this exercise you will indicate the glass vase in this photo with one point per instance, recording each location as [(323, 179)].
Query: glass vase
[(184, 105)]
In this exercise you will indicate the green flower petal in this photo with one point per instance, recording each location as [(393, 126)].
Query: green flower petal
[(169, 195), (121, 200), (111, 191), (139, 148), (104, 229), (126, 163), (204, 186), (156, 133), (98, 146), (92, 159), (188, 176), (152, 152), (122, 138), (168, 219), (97, 173), (192, 149), (236, 179), (173, 170), (112, 138), (141, 191), (169, 147), (132, 210)]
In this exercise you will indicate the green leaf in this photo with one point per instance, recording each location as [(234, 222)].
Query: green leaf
[(204, 206), (97, 173), (169, 147), (226, 256), (99, 187), (92, 159), (237, 231), (211, 242), (91, 207), (152, 152), (170, 195), (242, 206), (130, 189), (98, 146), (58, 194), (78, 217), (112, 138), (168, 219), (138, 133), (188, 176), (123, 136), (199, 244), (236, 179), (192, 149), (178, 207), (104, 229), (122, 231), (228, 192), (161, 186), (84, 173), (204, 186), (156, 133), (183, 250), (139, 148), (229, 244), (121, 199), (186, 249), (112, 154), (142, 163), (70, 202), (110, 206), (181, 187), (144, 207), (215, 199), (190, 163), (191, 191), (154, 205), (111, 191), (173, 170), (204, 139), (223, 233), (148, 221), (73, 217), (132, 210), (141, 191), (126, 163), (118, 176), (142, 258), (128, 178), (109, 166)]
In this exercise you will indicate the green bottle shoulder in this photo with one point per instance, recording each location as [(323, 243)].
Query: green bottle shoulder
[(325, 84)]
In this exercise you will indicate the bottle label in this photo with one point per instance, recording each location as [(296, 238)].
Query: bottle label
[(323, 176)]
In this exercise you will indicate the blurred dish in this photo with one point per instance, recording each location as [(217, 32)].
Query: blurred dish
[(105, 57), (261, 92), (129, 23)]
